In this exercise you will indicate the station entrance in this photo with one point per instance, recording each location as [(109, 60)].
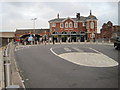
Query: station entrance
[(25, 38)]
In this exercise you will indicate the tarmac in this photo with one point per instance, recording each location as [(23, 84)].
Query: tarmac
[(16, 78)]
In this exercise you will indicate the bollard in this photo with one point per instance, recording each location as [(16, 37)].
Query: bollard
[(8, 74)]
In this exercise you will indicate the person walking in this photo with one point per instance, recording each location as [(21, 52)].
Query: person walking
[(45, 40), (53, 40)]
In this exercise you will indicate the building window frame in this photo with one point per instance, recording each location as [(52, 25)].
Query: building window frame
[(75, 25), (83, 24), (66, 24), (92, 25), (70, 25), (61, 25), (53, 24)]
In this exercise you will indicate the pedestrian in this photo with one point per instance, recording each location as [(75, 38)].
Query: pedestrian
[(45, 40), (53, 40)]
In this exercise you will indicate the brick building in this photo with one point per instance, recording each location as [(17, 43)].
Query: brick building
[(74, 29), (106, 31), (116, 31), (109, 31)]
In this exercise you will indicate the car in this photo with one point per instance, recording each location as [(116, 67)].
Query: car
[(117, 43)]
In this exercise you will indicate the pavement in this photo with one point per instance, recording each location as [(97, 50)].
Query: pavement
[(42, 68)]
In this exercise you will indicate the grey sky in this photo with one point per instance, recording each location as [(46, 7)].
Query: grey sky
[(19, 14)]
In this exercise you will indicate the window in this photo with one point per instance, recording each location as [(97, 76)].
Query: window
[(54, 24), (75, 25), (61, 25), (83, 23), (70, 25), (66, 25), (92, 25)]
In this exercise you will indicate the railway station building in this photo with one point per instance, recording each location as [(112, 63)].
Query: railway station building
[(75, 29)]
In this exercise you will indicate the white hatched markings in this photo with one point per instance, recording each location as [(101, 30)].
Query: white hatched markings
[(21, 47), (75, 48), (87, 59), (67, 49)]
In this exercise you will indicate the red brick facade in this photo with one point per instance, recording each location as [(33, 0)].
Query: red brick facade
[(79, 28), (106, 31)]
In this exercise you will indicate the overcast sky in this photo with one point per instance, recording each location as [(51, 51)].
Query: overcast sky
[(17, 15)]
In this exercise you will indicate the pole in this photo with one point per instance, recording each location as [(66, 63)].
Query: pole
[(34, 28)]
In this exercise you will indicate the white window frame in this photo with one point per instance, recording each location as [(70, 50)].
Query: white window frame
[(61, 25), (70, 25), (92, 25), (75, 25), (53, 24), (83, 23), (66, 24)]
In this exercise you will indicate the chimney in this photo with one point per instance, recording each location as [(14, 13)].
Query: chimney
[(58, 15), (78, 16)]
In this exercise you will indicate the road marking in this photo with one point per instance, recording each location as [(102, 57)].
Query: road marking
[(77, 49), (95, 50), (67, 49), (21, 47), (88, 59), (53, 51)]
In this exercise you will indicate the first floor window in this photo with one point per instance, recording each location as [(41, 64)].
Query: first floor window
[(53, 24), (66, 25), (61, 25), (75, 25), (92, 25), (70, 25)]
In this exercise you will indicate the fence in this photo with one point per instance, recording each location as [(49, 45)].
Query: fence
[(8, 60)]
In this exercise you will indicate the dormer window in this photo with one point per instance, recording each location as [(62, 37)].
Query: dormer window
[(70, 25), (66, 25)]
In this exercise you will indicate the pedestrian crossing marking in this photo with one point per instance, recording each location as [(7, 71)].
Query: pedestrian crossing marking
[(77, 49), (67, 49)]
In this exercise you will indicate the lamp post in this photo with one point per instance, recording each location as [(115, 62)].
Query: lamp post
[(33, 19)]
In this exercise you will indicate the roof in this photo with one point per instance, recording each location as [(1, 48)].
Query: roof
[(23, 31), (7, 34), (82, 18), (91, 17)]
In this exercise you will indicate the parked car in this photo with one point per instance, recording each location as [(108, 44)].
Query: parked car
[(117, 43)]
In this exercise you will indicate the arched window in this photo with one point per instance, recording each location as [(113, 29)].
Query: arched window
[(66, 25), (92, 25), (75, 25), (70, 25), (61, 25)]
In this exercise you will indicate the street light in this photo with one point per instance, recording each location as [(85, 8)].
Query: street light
[(33, 19)]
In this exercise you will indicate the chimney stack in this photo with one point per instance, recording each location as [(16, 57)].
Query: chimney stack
[(58, 15), (78, 16)]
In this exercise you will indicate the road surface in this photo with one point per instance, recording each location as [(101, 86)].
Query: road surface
[(42, 67)]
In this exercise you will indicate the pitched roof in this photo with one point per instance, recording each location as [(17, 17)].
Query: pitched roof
[(82, 18)]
